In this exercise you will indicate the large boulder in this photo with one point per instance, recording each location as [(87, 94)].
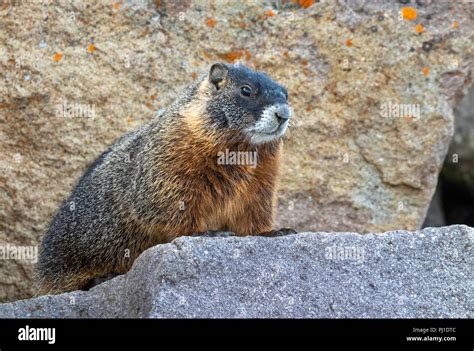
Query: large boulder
[(76, 75), (399, 274)]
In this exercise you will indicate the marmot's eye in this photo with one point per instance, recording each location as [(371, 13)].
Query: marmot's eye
[(246, 90)]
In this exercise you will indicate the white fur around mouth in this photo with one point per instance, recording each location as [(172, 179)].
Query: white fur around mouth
[(276, 129), (268, 127), (259, 138)]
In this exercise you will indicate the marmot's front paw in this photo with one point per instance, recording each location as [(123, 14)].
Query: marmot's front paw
[(279, 232), (214, 234)]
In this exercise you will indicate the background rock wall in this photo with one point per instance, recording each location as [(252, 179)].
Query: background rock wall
[(76, 75)]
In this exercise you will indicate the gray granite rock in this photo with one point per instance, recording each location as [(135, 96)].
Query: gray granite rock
[(428, 273)]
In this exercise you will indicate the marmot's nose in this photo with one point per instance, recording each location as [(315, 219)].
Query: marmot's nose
[(282, 113)]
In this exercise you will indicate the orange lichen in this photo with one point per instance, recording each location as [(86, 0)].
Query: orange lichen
[(349, 42), (205, 54), (419, 28), (194, 75), (233, 56), (248, 55), (456, 24), (304, 62), (129, 119), (286, 54), (305, 3), (408, 13), (90, 48), (425, 71), (270, 13), (116, 6), (211, 22), (58, 56), (308, 108)]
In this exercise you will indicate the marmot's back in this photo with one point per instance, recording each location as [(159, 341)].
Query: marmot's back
[(209, 162)]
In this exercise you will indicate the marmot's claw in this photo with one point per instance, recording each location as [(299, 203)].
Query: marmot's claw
[(214, 234), (279, 232)]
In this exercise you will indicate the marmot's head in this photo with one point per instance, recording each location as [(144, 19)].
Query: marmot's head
[(246, 101)]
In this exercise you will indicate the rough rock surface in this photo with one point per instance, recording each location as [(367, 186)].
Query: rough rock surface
[(457, 175), (454, 197), (421, 274), (459, 167), (75, 75)]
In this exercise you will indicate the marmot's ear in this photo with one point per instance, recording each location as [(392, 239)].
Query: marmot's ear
[(218, 74)]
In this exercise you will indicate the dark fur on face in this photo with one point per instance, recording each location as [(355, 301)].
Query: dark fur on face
[(247, 101)]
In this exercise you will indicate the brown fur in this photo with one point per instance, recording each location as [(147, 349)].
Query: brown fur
[(183, 190)]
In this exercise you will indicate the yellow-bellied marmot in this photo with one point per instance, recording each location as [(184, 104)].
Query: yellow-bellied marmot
[(169, 178)]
